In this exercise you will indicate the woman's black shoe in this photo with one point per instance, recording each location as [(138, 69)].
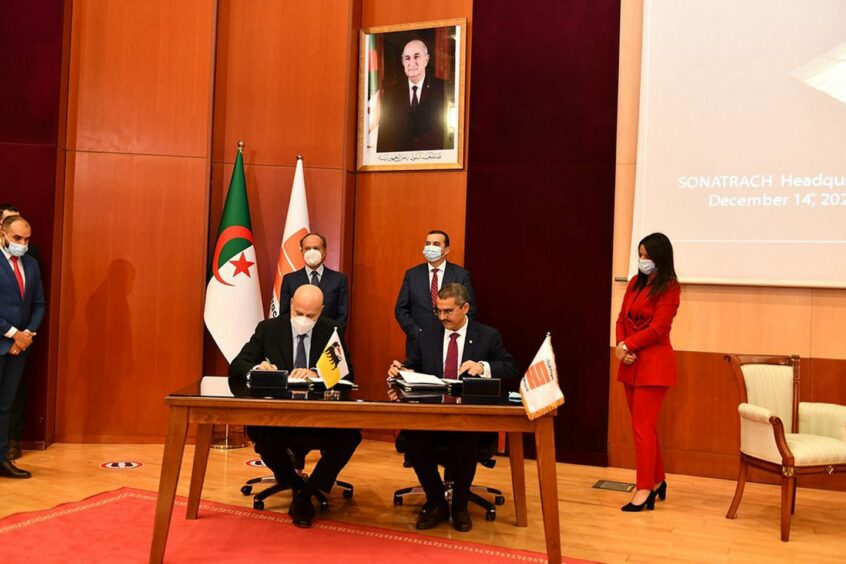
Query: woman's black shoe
[(648, 504), (661, 492)]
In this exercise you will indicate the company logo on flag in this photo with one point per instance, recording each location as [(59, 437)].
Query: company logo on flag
[(233, 298), (332, 364), (296, 227), (539, 386)]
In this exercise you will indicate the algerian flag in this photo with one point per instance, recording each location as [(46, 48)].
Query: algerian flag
[(296, 227), (233, 298), (539, 386), (332, 364)]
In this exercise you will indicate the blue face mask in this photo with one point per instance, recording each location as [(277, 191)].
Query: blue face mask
[(646, 266), (432, 253), (17, 250)]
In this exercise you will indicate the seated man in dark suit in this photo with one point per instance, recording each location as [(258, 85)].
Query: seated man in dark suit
[(415, 306), (458, 346), (332, 283), (295, 342)]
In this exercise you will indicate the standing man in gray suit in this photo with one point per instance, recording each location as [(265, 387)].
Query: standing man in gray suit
[(419, 292)]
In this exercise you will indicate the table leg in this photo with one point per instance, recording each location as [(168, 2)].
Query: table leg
[(177, 429), (518, 477), (198, 470), (545, 447)]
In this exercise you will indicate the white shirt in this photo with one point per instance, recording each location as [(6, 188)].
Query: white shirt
[(441, 270), (419, 86), (318, 270), (11, 332), (462, 338)]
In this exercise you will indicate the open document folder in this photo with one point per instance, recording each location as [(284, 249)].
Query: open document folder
[(416, 381)]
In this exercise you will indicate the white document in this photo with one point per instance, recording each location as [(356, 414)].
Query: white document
[(416, 378)]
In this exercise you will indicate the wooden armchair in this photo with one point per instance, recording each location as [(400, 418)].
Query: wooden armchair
[(780, 434)]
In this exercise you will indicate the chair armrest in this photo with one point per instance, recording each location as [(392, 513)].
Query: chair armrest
[(762, 434), (826, 419)]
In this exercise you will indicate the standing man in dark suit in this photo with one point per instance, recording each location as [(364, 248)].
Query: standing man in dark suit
[(332, 283), (295, 342), (22, 309), (415, 306), (413, 112), (457, 346)]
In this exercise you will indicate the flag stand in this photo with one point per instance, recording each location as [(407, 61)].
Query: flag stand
[(229, 437)]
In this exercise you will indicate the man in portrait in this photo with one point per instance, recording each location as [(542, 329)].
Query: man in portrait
[(413, 112)]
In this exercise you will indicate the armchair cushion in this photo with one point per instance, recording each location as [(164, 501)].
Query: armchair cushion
[(757, 436), (825, 419), (771, 386), (810, 450)]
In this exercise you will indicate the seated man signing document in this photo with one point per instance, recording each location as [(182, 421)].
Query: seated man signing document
[(295, 342), (456, 347)]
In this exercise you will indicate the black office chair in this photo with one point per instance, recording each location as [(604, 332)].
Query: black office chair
[(486, 452), (297, 454)]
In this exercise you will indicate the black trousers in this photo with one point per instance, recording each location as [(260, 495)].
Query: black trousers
[(457, 451), (11, 369), (336, 446), (16, 412)]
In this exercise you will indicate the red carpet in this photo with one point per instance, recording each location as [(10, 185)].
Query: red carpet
[(118, 526)]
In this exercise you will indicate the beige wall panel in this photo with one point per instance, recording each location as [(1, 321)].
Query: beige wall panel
[(139, 76), (631, 12), (828, 313)]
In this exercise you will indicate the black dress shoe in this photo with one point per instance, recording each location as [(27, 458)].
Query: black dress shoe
[(9, 470), (13, 451), (430, 517), (461, 520), (301, 511)]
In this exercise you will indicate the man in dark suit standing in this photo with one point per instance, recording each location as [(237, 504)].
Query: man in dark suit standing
[(22, 308), (413, 112), (458, 346), (331, 282), (415, 306), (295, 342)]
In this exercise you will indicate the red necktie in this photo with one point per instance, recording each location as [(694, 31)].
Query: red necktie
[(451, 364), (434, 289), (18, 275)]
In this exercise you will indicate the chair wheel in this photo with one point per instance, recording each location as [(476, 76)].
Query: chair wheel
[(490, 515), (258, 504), (499, 500), (246, 490), (397, 500), (347, 494)]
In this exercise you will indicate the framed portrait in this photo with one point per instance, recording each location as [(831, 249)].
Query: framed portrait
[(411, 96)]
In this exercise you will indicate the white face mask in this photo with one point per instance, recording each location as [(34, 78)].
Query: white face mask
[(646, 266), (302, 324), (17, 250), (313, 257), (432, 253)]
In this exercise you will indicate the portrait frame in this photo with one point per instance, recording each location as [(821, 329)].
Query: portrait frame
[(397, 129)]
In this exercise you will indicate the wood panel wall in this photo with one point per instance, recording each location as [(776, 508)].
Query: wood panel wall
[(699, 419), (135, 214), (296, 98), (393, 213)]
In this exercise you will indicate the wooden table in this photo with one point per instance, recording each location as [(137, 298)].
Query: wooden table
[(208, 411)]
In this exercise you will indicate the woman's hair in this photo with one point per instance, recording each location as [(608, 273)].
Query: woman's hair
[(660, 250)]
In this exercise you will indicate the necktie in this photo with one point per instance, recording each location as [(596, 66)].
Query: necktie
[(300, 358), (18, 274), (451, 364), (314, 279), (434, 289), (414, 101)]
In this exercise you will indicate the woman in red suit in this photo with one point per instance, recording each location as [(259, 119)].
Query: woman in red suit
[(647, 362)]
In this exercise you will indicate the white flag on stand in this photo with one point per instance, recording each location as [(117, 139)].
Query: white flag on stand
[(539, 386), (296, 227)]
